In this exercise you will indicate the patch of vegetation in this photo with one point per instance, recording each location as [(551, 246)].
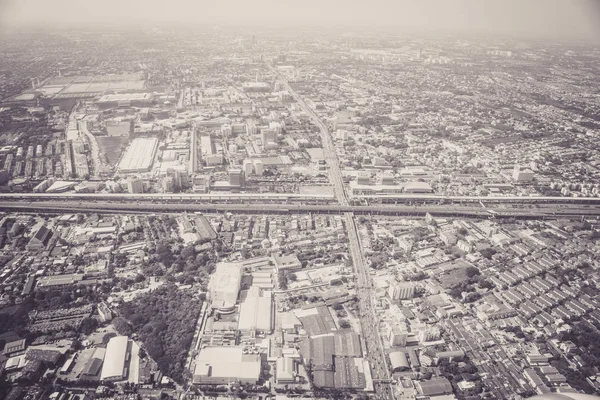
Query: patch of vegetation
[(164, 320)]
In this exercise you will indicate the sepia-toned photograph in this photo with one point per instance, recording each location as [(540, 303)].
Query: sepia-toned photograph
[(297, 200)]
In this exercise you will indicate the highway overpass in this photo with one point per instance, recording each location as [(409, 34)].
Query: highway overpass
[(261, 198), (67, 205)]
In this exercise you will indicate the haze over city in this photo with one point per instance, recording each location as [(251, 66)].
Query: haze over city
[(574, 19), (295, 200)]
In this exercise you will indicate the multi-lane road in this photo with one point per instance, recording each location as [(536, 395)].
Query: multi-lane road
[(369, 323), (333, 165), (375, 352), (103, 205)]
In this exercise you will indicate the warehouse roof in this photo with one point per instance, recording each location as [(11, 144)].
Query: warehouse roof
[(316, 321), (114, 360), (349, 373), (139, 156), (347, 344), (227, 362), (398, 360), (13, 347), (285, 368), (256, 314), (434, 386)]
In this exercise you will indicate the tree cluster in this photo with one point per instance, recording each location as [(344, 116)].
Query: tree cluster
[(164, 320)]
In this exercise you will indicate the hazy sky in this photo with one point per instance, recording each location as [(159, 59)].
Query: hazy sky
[(539, 18)]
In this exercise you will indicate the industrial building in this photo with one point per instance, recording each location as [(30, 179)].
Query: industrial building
[(417, 187), (256, 87), (224, 286), (256, 312), (40, 239), (224, 365), (207, 151), (125, 100), (55, 281), (93, 366), (139, 156), (115, 367), (434, 387), (285, 370), (399, 361)]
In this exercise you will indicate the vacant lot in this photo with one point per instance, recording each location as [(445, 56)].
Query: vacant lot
[(112, 147)]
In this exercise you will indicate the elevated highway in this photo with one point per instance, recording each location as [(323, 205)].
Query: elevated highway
[(284, 198), (90, 203)]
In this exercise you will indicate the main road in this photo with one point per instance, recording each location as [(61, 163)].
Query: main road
[(333, 165), (368, 320)]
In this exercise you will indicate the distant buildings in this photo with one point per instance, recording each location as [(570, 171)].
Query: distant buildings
[(125, 100), (256, 87), (258, 167), (251, 128), (434, 387), (287, 262), (417, 187), (207, 151)]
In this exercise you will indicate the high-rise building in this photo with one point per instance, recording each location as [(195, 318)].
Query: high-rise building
[(401, 290), (387, 178), (276, 126), (363, 178), (285, 96), (226, 131), (522, 174), (258, 167), (167, 184), (180, 178), (429, 334), (200, 183), (135, 185), (269, 137), (250, 128), (236, 177), (397, 335), (4, 177), (248, 167), (342, 134)]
